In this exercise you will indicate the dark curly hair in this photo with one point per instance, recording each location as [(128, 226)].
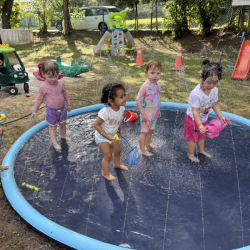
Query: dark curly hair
[(109, 92), (211, 69)]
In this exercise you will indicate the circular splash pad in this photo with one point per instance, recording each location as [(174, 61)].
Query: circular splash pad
[(165, 202)]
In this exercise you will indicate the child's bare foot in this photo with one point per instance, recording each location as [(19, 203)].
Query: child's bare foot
[(193, 158), (3, 167), (66, 138), (109, 177), (146, 153), (206, 154), (152, 146), (57, 147), (122, 167)]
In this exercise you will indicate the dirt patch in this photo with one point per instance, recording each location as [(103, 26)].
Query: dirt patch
[(14, 232)]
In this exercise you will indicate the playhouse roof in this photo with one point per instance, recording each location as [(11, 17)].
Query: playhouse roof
[(241, 3)]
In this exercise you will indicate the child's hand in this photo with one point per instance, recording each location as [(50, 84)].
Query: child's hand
[(33, 116), (3, 167), (121, 134), (69, 109), (223, 119), (110, 137), (202, 129), (1, 131), (159, 116), (145, 117)]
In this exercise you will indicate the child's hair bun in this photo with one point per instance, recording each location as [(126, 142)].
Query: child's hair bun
[(205, 62)]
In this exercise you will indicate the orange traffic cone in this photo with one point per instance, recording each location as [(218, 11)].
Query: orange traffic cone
[(130, 116), (139, 60), (178, 64)]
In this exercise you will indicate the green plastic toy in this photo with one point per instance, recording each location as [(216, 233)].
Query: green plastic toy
[(12, 70), (73, 69), (31, 187), (2, 120)]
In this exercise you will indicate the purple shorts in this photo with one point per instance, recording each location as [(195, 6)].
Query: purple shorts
[(56, 116), (191, 130)]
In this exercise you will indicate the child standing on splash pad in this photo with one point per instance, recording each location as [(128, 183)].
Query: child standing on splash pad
[(55, 94), (149, 102), (202, 98), (107, 123)]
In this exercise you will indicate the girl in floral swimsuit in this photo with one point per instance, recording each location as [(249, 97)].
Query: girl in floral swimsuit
[(149, 102)]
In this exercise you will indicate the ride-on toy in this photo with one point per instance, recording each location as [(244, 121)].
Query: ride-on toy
[(12, 70)]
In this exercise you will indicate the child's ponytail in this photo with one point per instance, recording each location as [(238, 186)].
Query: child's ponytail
[(211, 69), (109, 92)]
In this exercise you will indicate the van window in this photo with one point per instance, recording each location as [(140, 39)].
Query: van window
[(89, 12), (114, 10)]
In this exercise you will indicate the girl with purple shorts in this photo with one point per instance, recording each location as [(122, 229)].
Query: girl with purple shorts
[(55, 94), (202, 98), (148, 102)]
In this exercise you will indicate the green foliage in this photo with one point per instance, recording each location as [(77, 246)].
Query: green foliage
[(176, 18), (76, 14), (16, 15), (43, 12), (206, 13)]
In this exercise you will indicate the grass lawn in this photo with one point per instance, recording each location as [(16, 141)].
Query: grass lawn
[(37, 28), (234, 96), (144, 23)]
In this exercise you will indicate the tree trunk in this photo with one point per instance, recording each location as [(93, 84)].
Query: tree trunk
[(67, 23), (136, 14), (242, 29), (156, 22), (233, 16), (248, 26), (43, 28), (6, 13)]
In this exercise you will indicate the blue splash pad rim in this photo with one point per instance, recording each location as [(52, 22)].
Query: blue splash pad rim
[(41, 223)]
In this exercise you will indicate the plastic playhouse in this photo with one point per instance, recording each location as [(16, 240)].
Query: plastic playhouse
[(12, 70), (116, 40), (73, 69)]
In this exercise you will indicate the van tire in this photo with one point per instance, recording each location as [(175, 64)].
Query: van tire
[(13, 90), (102, 27)]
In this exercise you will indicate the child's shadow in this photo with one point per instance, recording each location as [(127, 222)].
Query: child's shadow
[(64, 182), (121, 207)]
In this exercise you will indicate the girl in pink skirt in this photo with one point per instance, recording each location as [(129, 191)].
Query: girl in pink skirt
[(202, 98)]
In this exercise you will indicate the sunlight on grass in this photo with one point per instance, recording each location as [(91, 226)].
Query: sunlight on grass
[(144, 23), (233, 95)]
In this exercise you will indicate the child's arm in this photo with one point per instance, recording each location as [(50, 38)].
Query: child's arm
[(3, 167), (141, 110), (1, 131), (121, 130), (38, 102), (66, 97), (217, 110), (97, 125), (197, 119), (139, 99)]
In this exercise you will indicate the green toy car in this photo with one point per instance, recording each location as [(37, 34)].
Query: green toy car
[(12, 70)]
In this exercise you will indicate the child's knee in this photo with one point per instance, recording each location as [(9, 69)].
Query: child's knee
[(108, 157)]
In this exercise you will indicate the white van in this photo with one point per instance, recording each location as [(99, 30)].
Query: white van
[(94, 18)]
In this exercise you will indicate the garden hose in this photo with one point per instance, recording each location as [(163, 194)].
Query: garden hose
[(44, 107)]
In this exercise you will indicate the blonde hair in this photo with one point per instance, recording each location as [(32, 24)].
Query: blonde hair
[(153, 63), (50, 66)]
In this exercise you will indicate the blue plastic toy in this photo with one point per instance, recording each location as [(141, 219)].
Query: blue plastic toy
[(133, 154)]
